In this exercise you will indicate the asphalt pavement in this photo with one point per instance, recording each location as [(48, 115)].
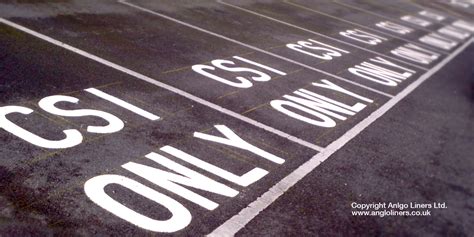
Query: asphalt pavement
[(247, 118)]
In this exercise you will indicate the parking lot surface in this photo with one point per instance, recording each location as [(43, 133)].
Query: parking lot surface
[(251, 118)]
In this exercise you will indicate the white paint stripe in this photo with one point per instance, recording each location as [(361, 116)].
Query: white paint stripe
[(260, 65), (122, 103), (237, 222), (253, 47), (162, 85), (321, 35), (366, 27)]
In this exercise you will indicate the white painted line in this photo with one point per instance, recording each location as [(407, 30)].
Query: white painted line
[(237, 222), (162, 85), (122, 103), (253, 47), (382, 16), (319, 34), (366, 27)]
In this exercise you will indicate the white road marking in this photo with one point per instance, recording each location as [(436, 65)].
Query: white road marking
[(234, 224), (319, 34), (253, 47), (162, 85), (122, 103), (366, 27), (237, 222)]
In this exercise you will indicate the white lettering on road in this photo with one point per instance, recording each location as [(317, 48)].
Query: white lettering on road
[(394, 27), (322, 109), (48, 104), (244, 180), (175, 182), (415, 53), (95, 190), (317, 49), (363, 36), (416, 20), (73, 136), (186, 176), (228, 65), (381, 75), (464, 25), (454, 32), (231, 139), (432, 15)]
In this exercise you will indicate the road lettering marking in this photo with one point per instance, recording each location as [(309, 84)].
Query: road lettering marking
[(416, 54), (95, 190), (454, 32), (253, 47), (231, 139), (322, 109), (327, 52), (237, 222), (464, 25), (175, 183), (363, 36), (394, 27), (439, 41), (242, 82), (73, 136), (386, 25), (244, 180), (319, 34), (180, 215), (419, 23), (415, 20), (162, 85), (432, 15), (181, 176), (376, 70)]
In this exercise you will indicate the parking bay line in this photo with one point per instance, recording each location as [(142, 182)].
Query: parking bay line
[(296, 175), (319, 34), (366, 27), (163, 85), (237, 222), (252, 47)]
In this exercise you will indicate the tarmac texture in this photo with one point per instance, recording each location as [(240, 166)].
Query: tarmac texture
[(247, 118)]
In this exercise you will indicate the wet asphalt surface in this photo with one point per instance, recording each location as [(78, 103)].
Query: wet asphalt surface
[(419, 151)]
